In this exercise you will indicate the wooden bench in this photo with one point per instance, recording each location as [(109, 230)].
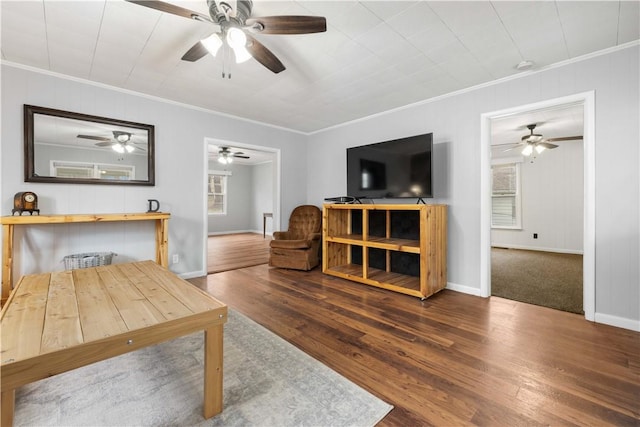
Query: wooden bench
[(56, 322)]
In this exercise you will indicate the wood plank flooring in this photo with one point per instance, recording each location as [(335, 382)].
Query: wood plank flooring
[(231, 251), (453, 359)]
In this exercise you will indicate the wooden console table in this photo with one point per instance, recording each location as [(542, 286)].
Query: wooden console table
[(8, 223)]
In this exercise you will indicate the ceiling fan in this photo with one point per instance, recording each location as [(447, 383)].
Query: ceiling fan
[(120, 142), (226, 156), (535, 141), (232, 23)]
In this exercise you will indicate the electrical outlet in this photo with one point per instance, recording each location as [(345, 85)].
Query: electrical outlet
[(176, 258), (535, 236)]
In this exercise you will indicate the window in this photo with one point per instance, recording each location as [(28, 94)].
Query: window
[(217, 193), (505, 196), (64, 169)]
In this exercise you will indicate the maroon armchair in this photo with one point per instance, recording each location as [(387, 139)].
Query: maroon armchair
[(298, 247)]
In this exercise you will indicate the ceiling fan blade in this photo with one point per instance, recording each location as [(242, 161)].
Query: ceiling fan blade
[(196, 52), (506, 143), (547, 145), (264, 55), (513, 148), (288, 24), (565, 138), (95, 138), (241, 157), (104, 144), (173, 9)]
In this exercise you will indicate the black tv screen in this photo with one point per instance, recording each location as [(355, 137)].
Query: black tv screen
[(391, 169)]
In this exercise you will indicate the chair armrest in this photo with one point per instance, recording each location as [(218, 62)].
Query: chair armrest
[(281, 235), (314, 236), (290, 244)]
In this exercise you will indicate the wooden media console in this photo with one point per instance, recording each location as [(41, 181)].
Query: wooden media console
[(402, 248)]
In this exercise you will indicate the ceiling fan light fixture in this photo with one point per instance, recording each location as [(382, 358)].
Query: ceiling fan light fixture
[(540, 149), (224, 159), (527, 150), (129, 148), (236, 38), (242, 54), (118, 148), (212, 44)]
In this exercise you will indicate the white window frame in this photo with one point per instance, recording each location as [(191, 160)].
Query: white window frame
[(517, 162), (94, 170), (225, 196)]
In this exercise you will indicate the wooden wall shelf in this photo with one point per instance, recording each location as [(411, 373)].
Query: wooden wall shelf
[(8, 223), (402, 248)]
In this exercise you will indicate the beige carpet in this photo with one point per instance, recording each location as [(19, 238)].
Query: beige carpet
[(233, 251), (548, 279)]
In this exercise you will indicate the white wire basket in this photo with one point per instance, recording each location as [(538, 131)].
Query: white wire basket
[(87, 259)]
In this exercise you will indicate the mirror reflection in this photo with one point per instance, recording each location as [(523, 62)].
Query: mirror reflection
[(68, 147)]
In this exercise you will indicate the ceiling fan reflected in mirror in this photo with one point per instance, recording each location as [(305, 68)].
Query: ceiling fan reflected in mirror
[(121, 142), (234, 28), (226, 156), (535, 142)]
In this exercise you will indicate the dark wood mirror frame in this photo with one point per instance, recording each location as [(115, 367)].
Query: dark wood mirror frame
[(95, 125)]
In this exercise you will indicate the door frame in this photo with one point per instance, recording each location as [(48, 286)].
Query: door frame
[(587, 99), (276, 193)]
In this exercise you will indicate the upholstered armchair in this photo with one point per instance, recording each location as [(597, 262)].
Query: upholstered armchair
[(298, 247)]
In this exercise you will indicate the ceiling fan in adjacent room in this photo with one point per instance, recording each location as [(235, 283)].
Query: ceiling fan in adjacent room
[(536, 142), (234, 26), (121, 142), (226, 156)]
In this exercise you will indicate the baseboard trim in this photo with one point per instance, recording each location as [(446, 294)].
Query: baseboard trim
[(618, 322), (535, 248), (221, 233), (463, 289), (192, 274)]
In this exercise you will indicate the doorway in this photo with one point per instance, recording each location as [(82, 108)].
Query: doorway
[(586, 100), (242, 196), (537, 162)]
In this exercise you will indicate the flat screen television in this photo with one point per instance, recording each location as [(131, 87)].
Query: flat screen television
[(391, 169)]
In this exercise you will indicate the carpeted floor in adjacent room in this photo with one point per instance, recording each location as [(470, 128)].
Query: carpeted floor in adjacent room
[(548, 279)]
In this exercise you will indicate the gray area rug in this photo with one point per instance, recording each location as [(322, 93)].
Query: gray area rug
[(267, 382)]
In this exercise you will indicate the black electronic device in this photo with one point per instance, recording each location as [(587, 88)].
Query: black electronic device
[(399, 168), (342, 199)]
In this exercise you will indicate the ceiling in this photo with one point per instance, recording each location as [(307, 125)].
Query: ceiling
[(555, 122), (375, 55)]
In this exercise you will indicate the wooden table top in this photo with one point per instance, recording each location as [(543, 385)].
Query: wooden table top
[(54, 322)]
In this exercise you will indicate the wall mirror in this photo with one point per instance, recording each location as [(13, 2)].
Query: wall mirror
[(66, 147)]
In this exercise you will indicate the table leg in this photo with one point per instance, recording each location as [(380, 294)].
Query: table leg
[(7, 406), (213, 352), (7, 261)]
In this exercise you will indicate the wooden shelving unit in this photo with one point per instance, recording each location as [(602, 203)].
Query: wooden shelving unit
[(8, 223), (402, 248)]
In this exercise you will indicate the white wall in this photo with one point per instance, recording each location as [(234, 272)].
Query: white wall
[(263, 194), (240, 194), (552, 202), (455, 123), (180, 173), (250, 192)]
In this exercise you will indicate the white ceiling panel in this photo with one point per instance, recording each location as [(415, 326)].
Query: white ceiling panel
[(414, 19), (375, 54), (629, 21)]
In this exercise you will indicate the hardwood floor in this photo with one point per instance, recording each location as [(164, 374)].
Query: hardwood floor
[(453, 359), (231, 251)]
